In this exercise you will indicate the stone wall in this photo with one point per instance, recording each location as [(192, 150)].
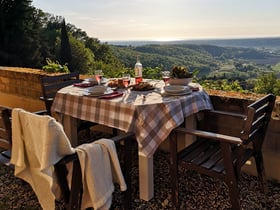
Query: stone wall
[(21, 87)]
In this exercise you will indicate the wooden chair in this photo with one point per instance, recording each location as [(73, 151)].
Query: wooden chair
[(221, 155), (5, 134), (71, 195), (51, 84)]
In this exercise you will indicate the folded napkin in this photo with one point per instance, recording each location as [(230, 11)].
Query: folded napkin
[(84, 84), (111, 95)]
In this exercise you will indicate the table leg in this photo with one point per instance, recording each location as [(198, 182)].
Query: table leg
[(70, 127), (146, 169), (146, 177)]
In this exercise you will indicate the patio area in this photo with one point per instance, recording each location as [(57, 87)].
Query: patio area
[(200, 192)]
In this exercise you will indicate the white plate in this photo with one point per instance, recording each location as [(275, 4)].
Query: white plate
[(98, 94), (186, 92), (97, 90), (175, 88)]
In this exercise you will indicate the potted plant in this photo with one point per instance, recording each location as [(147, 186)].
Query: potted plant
[(180, 75)]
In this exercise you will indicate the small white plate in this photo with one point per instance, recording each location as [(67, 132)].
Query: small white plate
[(97, 91)]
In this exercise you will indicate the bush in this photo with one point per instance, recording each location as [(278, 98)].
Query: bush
[(55, 67)]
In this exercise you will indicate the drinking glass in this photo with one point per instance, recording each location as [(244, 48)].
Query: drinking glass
[(126, 80), (165, 76), (98, 76)]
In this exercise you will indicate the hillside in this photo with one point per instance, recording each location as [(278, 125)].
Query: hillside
[(208, 59)]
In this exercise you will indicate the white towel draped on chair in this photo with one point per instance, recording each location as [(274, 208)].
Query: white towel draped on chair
[(38, 143), (100, 169)]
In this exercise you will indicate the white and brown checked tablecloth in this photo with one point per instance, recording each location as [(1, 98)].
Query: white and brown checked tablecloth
[(148, 114)]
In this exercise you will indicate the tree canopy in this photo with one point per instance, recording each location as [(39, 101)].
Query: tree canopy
[(29, 37)]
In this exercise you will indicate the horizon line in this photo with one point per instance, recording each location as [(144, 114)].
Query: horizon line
[(190, 39)]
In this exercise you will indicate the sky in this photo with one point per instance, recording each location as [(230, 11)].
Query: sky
[(167, 20)]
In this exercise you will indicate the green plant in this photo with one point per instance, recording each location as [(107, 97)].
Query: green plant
[(55, 67), (267, 83), (180, 72)]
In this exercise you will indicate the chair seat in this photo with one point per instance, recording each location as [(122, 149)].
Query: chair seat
[(206, 155)]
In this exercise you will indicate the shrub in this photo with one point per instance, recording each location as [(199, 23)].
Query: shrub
[(55, 67)]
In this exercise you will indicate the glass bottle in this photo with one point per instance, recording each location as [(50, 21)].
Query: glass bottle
[(138, 71)]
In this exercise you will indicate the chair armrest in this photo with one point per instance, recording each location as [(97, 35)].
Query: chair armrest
[(66, 159), (224, 113), (41, 112), (124, 136), (42, 98), (210, 135)]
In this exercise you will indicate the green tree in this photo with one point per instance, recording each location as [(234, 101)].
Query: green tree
[(267, 83), (82, 57), (19, 38), (65, 49)]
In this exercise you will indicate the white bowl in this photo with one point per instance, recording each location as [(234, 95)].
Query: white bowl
[(180, 81)]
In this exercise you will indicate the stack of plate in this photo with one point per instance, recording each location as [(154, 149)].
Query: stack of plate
[(97, 90), (177, 90)]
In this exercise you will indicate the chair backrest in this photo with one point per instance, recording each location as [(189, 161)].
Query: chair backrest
[(5, 128), (257, 118), (51, 84)]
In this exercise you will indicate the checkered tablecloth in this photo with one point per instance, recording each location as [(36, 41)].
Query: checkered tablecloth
[(149, 114)]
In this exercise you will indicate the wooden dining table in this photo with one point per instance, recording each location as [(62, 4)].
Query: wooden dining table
[(151, 115)]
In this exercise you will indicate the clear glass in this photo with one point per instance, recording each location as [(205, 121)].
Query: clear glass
[(98, 76), (165, 76), (126, 80)]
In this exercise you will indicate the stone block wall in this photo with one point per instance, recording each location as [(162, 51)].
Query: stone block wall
[(22, 82), (21, 87)]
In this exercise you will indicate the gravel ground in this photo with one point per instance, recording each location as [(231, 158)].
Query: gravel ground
[(197, 192)]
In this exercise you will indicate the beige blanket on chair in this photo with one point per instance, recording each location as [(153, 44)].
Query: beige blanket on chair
[(38, 143), (100, 169)]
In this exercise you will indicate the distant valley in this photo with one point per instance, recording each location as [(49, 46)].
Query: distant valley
[(231, 58)]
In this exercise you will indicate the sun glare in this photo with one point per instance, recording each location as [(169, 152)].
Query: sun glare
[(165, 39)]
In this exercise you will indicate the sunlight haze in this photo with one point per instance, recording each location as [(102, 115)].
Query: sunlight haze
[(166, 20)]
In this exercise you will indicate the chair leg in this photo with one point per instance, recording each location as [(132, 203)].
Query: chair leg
[(174, 171), (61, 174), (257, 146), (261, 171), (76, 187), (231, 177), (234, 194)]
